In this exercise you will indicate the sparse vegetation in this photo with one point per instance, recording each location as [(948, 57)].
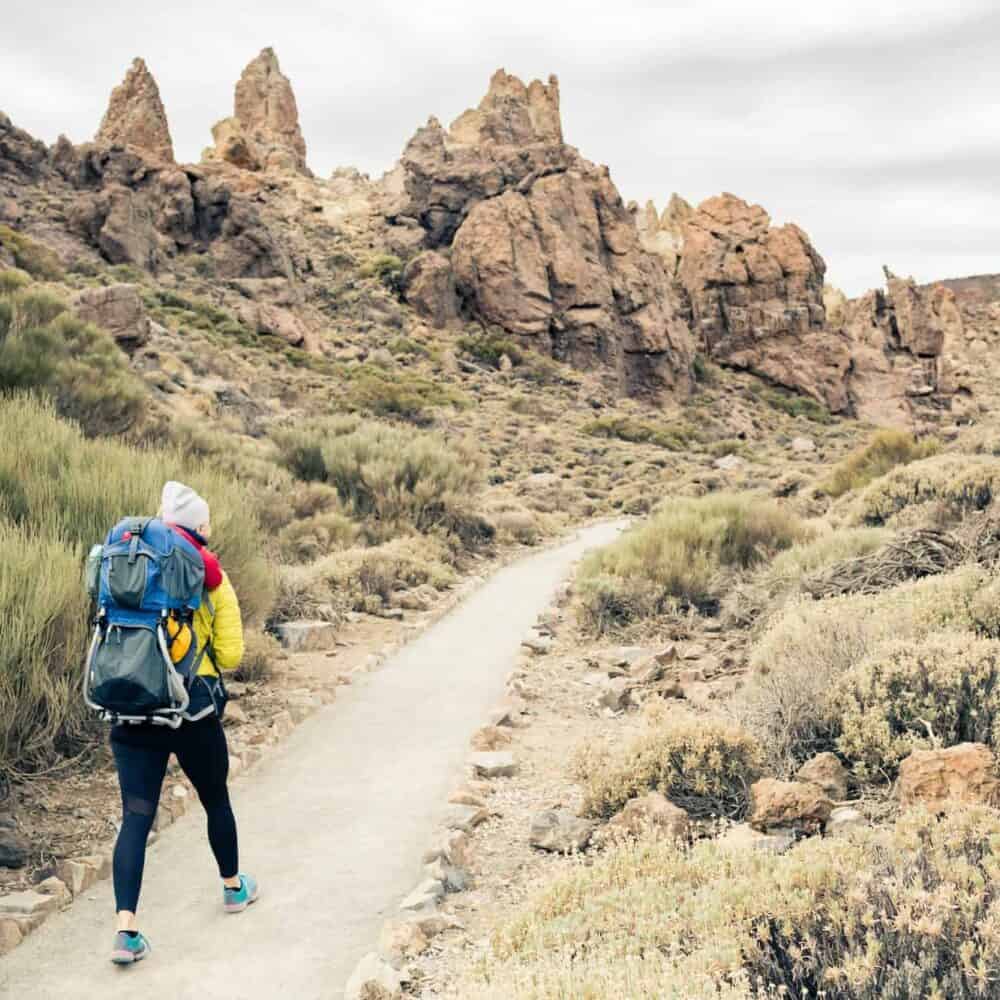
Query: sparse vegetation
[(884, 452), (704, 766), (47, 350), (676, 437), (898, 912), (31, 256), (679, 554)]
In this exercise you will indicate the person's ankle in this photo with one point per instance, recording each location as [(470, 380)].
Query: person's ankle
[(233, 883)]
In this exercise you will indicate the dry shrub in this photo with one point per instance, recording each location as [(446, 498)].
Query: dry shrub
[(319, 535), (958, 483), (259, 655), (901, 912), (387, 474), (43, 609), (679, 554), (810, 644), (763, 594), (705, 766), (886, 450), (914, 694)]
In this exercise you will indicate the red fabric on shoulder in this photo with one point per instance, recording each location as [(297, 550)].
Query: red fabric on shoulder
[(213, 568)]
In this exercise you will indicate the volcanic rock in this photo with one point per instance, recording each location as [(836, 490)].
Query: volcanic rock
[(663, 234), (788, 805), (429, 286), (827, 773), (901, 340), (264, 132), (756, 295), (652, 815), (963, 773), (119, 310), (135, 116)]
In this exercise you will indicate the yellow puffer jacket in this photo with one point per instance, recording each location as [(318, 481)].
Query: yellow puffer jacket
[(224, 628)]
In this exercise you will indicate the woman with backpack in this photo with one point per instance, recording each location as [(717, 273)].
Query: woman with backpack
[(142, 751)]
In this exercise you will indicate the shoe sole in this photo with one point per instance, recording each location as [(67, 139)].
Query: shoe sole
[(127, 957), (240, 907)]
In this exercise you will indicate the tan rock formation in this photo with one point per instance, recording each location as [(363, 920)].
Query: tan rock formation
[(901, 340), (264, 132), (650, 815), (937, 778), (429, 286), (756, 295), (663, 234), (119, 310), (827, 773), (135, 116), (542, 245), (793, 805)]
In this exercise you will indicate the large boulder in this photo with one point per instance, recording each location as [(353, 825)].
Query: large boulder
[(756, 295), (940, 778), (135, 116), (788, 805), (263, 132), (119, 310), (22, 157), (663, 233)]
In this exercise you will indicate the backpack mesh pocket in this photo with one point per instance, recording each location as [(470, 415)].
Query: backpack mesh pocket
[(182, 575), (127, 579), (128, 674)]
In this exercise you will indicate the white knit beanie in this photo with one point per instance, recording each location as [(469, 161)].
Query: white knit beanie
[(182, 506)]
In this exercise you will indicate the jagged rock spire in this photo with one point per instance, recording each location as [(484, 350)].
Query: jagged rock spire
[(264, 129), (135, 115)]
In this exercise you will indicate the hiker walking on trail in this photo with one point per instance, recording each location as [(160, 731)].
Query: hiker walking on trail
[(210, 640)]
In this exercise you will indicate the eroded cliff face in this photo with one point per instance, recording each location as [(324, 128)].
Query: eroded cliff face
[(541, 245), (263, 132)]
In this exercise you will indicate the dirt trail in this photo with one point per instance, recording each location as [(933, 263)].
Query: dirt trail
[(333, 823)]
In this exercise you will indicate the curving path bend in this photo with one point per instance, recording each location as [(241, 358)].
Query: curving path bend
[(333, 823)]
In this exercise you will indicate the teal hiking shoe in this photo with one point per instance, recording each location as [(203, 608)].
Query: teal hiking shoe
[(129, 948), (237, 900)]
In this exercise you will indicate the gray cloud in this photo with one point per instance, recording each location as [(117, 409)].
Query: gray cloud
[(872, 126)]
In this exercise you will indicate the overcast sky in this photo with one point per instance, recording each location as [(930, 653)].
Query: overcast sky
[(874, 126)]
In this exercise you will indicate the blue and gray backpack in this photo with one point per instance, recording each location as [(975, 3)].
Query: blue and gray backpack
[(147, 581)]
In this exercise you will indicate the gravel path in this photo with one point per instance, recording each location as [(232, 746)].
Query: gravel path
[(333, 823)]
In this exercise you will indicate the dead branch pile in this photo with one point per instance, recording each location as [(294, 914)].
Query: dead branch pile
[(911, 555)]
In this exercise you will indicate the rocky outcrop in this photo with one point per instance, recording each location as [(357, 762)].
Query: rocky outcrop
[(939, 778), (117, 309), (139, 212), (429, 286), (756, 295), (22, 157), (663, 234), (135, 116), (542, 246), (899, 340), (263, 132), (559, 263)]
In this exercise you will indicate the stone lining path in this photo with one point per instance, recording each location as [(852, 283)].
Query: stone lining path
[(333, 823)]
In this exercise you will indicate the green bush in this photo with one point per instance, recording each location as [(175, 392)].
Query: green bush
[(388, 474), (260, 651), (960, 483), (679, 553), (914, 694), (43, 608), (886, 450), (903, 912), (45, 349), (791, 403), (489, 348), (35, 258), (387, 267), (679, 437), (308, 539), (704, 765), (397, 395), (57, 484), (798, 660)]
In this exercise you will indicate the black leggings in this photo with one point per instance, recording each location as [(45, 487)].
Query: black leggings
[(141, 755)]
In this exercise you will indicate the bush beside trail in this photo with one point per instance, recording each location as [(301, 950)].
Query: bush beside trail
[(59, 494)]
